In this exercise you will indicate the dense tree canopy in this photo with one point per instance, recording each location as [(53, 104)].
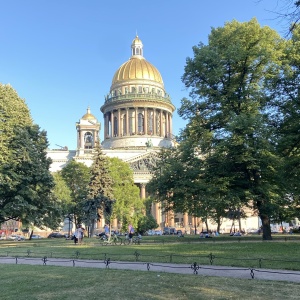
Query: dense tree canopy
[(129, 206), (26, 184), (232, 126), (13, 112), (99, 201), (77, 177)]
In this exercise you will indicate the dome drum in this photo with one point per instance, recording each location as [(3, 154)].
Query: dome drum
[(138, 142), (130, 97)]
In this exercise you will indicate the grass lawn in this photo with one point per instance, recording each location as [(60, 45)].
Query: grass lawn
[(249, 251), (49, 282), (24, 282)]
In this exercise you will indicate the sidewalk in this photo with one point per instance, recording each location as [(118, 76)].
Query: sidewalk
[(219, 271)]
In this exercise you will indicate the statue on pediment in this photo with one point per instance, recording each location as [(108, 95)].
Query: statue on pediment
[(146, 164)]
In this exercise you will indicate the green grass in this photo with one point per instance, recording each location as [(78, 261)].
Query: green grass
[(25, 282), (49, 282), (251, 251)]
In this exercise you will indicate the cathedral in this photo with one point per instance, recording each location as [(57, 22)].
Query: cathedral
[(137, 114)]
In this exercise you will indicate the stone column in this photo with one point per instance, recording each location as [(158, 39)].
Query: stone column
[(114, 223), (161, 123), (106, 129), (82, 139), (171, 218), (154, 122), (78, 139), (146, 121), (119, 122), (157, 213), (171, 125), (142, 190), (136, 121), (127, 121), (167, 125), (185, 220), (112, 123)]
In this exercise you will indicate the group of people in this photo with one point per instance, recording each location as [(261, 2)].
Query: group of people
[(79, 233)]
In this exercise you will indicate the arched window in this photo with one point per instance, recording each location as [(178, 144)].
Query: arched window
[(150, 123), (88, 140), (140, 123), (115, 126)]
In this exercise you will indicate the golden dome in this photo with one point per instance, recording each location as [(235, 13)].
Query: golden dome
[(137, 41), (137, 68), (88, 115)]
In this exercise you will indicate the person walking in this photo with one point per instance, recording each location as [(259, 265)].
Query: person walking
[(130, 232), (78, 235), (106, 231)]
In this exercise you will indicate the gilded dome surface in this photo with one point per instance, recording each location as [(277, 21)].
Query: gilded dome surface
[(137, 68), (88, 115)]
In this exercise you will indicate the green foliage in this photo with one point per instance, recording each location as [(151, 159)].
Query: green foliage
[(146, 223), (229, 119), (99, 202), (129, 207), (62, 192), (26, 183), (13, 112), (77, 177)]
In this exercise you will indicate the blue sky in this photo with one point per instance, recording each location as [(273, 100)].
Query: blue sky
[(61, 55)]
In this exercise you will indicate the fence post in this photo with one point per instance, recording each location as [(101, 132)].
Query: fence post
[(136, 254)]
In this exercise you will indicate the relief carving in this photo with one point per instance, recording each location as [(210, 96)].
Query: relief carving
[(146, 164)]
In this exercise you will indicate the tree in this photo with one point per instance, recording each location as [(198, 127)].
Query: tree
[(99, 201), (286, 106), (26, 182), (13, 112), (146, 223), (77, 177), (129, 207), (227, 113)]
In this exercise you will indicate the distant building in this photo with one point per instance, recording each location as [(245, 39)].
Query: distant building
[(137, 114)]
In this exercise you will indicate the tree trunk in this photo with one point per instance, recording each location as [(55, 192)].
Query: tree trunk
[(218, 226), (266, 227), (206, 222), (92, 229), (239, 220), (30, 236)]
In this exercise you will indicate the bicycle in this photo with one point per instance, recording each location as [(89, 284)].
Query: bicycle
[(135, 240), (113, 240)]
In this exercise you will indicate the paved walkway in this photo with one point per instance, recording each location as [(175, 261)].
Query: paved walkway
[(245, 273)]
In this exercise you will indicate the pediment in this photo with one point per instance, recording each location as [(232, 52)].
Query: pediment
[(144, 163)]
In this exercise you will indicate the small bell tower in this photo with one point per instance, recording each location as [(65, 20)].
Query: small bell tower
[(88, 129)]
